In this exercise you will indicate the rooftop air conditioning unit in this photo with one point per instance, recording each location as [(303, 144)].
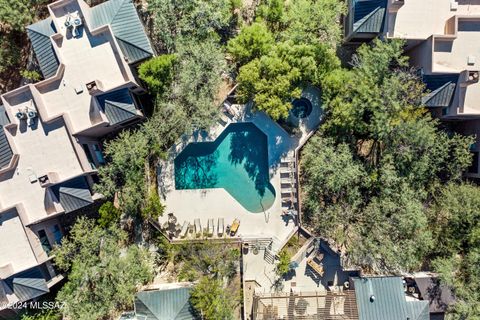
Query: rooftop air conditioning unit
[(21, 115), (32, 114), (473, 76)]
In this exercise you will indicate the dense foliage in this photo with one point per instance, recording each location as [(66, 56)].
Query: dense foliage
[(211, 301), (16, 14), (455, 219), (157, 73), (371, 171), (104, 273), (291, 44)]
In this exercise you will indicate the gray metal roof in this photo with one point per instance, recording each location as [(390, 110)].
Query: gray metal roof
[(28, 284), (3, 116), (170, 304), (442, 89), (73, 194), (6, 153), (122, 16), (389, 302), (118, 105), (39, 34), (369, 16)]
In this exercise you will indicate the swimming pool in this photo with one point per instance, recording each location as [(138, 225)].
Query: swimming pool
[(236, 161)]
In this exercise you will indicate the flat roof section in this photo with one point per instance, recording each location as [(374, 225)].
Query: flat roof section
[(15, 255)]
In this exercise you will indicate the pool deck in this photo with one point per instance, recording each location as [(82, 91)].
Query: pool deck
[(215, 203)]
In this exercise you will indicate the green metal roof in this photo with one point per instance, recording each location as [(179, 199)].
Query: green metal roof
[(39, 34), (369, 16), (383, 298), (73, 194), (3, 116), (442, 89), (28, 284), (122, 16), (118, 105), (6, 153), (169, 304)]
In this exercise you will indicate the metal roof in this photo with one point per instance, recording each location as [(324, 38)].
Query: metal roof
[(369, 16), (438, 295), (6, 153), (73, 194), (3, 116), (28, 284), (442, 89), (123, 18), (169, 304), (118, 105), (383, 298), (39, 34)]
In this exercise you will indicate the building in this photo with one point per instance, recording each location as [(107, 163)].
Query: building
[(443, 42), (169, 301), (50, 131), (384, 298)]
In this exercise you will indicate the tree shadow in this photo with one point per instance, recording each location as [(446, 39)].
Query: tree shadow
[(196, 172), (249, 148)]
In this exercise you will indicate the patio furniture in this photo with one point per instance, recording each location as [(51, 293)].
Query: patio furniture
[(172, 218), (198, 227), (220, 227), (234, 228), (184, 231), (245, 248), (228, 229), (315, 266), (210, 227)]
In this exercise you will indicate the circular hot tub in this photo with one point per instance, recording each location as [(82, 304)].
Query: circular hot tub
[(302, 108)]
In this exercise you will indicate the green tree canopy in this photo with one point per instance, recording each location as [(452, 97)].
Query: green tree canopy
[(314, 22), (252, 42), (103, 273), (197, 19), (369, 174), (158, 73), (16, 14), (455, 218), (273, 80), (211, 301)]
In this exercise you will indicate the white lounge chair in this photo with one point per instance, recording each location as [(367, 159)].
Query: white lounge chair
[(220, 228), (210, 227), (184, 231), (198, 227)]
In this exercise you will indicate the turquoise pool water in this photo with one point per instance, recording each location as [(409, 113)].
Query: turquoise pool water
[(236, 161)]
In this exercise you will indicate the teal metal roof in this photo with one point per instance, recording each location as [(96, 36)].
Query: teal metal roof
[(383, 298), (170, 304), (369, 16), (73, 194), (122, 16), (6, 153), (442, 89), (28, 284), (39, 34), (3, 116), (118, 105)]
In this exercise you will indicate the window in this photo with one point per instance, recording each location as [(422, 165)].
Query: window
[(98, 154), (89, 155), (57, 234), (44, 241), (444, 111), (474, 166)]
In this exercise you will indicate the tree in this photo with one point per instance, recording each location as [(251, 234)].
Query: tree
[(103, 273), (109, 214), (272, 12), (198, 19), (455, 219), (253, 42), (198, 80), (16, 14), (153, 208), (314, 22), (273, 80), (158, 73), (378, 159), (211, 301), (124, 173), (283, 265)]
